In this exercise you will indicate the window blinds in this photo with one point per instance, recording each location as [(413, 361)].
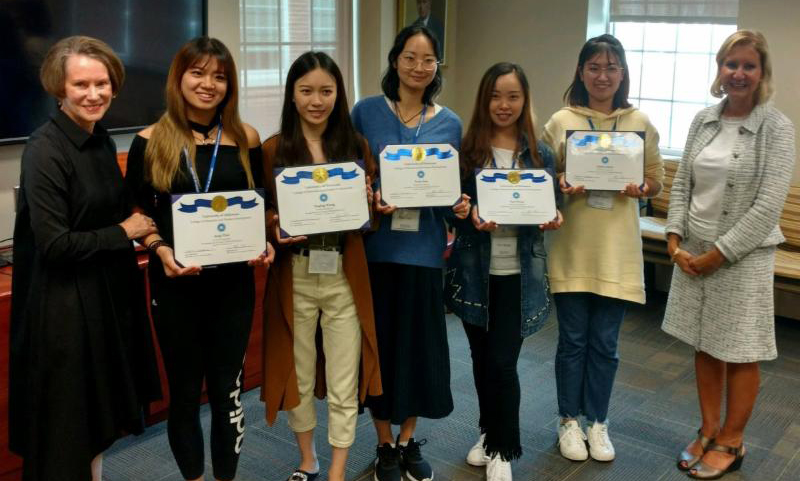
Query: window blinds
[(675, 11)]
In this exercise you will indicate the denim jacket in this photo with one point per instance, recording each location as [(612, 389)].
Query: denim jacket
[(467, 276)]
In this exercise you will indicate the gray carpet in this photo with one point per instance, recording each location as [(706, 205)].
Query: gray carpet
[(653, 415)]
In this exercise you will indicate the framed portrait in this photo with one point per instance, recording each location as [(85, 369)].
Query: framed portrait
[(431, 13)]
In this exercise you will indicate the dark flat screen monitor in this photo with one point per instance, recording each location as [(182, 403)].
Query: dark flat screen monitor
[(144, 33)]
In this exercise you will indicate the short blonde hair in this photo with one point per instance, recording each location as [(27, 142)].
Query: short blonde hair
[(756, 40), (53, 73)]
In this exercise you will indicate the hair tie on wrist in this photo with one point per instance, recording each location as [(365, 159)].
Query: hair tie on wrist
[(153, 246)]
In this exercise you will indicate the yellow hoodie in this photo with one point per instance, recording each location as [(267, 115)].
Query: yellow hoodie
[(598, 250)]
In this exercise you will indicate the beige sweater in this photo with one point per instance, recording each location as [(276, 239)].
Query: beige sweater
[(597, 250)]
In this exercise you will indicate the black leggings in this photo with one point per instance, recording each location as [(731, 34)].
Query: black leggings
[(203, 326), (495, 351)]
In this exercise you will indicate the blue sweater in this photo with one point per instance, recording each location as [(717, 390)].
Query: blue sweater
[(373, 118)]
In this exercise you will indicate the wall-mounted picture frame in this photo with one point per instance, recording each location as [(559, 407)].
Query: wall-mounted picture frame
[(431, 13)]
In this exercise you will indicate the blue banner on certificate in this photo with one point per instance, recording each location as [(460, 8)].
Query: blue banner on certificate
[(421, 175), (320, 198), (604, 160), (218, 227), (515, 197)]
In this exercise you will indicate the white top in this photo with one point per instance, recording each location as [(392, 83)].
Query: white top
[(710, 172), (505, 252)]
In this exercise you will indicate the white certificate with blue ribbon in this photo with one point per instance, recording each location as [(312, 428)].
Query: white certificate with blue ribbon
[(515, 197), (604, 160), (218, 227), (422, 175), (320, 198)]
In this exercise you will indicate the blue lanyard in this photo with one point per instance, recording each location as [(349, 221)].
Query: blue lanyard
[(213, 164), (614, 128), (419, 124)]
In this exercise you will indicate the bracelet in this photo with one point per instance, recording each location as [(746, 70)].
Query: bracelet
[(153, 246), (675, 254)]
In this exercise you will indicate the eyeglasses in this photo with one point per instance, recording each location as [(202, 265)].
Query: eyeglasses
[(596, 70), (410, 62)]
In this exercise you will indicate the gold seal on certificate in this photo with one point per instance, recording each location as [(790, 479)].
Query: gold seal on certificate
[(320, 175), (219, 203), (604, 160), (515, 197), (218, 227), (320, 198), (418, 154), (423, 175)]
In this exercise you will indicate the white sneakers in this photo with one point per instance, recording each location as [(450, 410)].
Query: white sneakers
[(477, 455), (498, 470), (571, 441), (600, 447)]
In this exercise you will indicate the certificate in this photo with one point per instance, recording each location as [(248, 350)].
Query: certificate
[(604, 160), (515, 197), (424, 175), (319, 198), (218, 227)]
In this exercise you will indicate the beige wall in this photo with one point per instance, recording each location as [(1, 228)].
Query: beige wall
[(777, 20), (532, 34)]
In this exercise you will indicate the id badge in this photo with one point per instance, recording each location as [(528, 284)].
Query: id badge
[(323, 262), (601, 199), (406, 220), (504, 246)]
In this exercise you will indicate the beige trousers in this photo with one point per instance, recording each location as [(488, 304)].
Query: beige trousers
[(331, 295)]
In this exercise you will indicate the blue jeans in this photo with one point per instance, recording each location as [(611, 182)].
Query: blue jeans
[(586, 359)]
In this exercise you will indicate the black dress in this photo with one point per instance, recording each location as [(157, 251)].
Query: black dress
[(82, 363)]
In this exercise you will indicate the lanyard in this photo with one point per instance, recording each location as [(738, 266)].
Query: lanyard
[(614, 128), (419, 124), (211, 166), (513, 163)]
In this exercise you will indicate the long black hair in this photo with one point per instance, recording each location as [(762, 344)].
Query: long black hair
[(340, 141), (391, 81), (576, 94)]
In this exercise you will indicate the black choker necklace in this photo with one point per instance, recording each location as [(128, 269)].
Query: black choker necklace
[(204, 129)]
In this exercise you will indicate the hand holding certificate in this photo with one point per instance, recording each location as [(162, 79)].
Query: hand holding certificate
[(604, 160), (424, 175), (320, 198), (516, 197), (218, 227)]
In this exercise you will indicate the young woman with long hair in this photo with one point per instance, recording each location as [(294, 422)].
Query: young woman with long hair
[(405, 262), (510, 260), (315, 129), (202, 316)]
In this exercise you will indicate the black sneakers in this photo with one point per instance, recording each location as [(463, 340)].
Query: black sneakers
[(300, 475), (387, 464), (416, 468)]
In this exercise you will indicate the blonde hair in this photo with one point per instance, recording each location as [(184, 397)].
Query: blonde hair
[(172, 132), (756, 40), (53, 72)]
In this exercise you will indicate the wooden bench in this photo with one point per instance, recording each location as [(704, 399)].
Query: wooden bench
[(787, 256)]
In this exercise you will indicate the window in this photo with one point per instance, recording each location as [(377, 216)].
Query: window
[(273, 34), (671, 47)]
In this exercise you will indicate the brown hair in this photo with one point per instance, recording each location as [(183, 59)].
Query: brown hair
[(172, 132), (53, 72), (756, 40), (476, 147)]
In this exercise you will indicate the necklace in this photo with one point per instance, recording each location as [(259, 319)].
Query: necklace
[(400, 114), (204, 131)]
